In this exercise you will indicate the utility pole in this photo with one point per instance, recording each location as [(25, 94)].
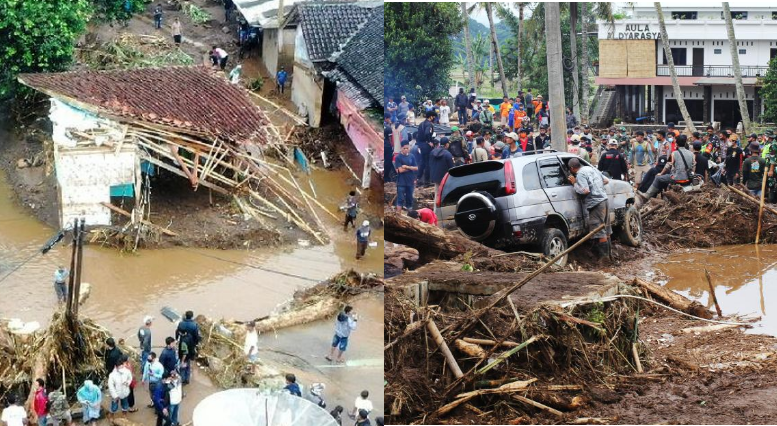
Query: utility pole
[(555, 77), (76, 260)]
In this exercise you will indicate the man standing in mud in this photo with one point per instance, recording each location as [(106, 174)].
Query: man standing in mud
[(189, 333), (362, 239), (60, 285), (590, 182), (144, 337), (158, 16), (345, 324), (351, 210)]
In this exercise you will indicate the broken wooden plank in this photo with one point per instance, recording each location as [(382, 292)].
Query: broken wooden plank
[(452, 364), (704, 329), (143, 221), (673, 299), (488, 342), (537, 404), (470, 349)]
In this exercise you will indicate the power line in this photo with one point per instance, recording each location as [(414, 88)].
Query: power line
[(261, 268)]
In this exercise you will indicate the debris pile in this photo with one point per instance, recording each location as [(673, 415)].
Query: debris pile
[(133, 51), (711, 217)]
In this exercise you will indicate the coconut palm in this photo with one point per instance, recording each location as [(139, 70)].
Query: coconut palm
[(468, 44), (555, 76), (678, 94), (480, 46), (732, 42), (584, 58), (573, 53), (495, 47)]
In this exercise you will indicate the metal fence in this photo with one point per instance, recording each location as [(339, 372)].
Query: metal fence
[(712, 70)]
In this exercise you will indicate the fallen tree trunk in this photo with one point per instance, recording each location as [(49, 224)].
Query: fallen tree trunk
[(430, 240), (673, 299)]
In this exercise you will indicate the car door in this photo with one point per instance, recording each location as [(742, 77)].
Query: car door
[(562, 195)]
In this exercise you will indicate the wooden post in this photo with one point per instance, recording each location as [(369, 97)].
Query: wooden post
[(367, 172), (636, 357), (454, 366), (712, 292), (760, 211)]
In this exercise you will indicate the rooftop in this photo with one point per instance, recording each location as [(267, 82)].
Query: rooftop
[(192, 99), (362, 58), (327, 27)]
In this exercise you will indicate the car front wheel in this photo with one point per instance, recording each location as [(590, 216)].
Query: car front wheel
[(630, 233), (553, 243)]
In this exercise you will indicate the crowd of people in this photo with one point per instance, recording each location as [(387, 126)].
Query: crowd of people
[(650, 160), (164, 375)]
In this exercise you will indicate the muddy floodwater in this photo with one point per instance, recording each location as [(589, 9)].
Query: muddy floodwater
[(218, 283), (745, 280)]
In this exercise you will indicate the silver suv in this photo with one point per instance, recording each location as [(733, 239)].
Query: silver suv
[(528, 201)]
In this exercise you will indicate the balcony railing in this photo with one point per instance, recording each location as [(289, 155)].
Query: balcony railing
[(705, 71), (711, 70)]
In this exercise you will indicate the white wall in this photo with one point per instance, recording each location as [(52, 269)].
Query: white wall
[(715, 29), (270, 50), (85, 176), (307, 88), (757, 51)]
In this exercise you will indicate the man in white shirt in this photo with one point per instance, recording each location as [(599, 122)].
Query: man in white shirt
[(251, 345), (14, 415)]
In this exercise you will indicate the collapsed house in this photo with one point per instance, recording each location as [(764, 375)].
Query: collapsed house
[(114, 129)]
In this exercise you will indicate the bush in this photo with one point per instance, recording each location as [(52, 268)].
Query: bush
[(256, 84)]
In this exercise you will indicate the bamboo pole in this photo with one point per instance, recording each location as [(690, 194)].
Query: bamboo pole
[(712, 292), (310, 208), (760, 209), (280, 108), (452, 364), (749, 198), (635, 353)]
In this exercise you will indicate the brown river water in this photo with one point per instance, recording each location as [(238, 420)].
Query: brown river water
[(744, 277), (231, 284)]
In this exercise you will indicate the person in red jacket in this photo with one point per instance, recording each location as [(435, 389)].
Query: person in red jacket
[(424, 215), (40, 403)]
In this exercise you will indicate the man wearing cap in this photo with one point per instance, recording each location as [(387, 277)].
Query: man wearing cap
[(488, 115), (587, 132), (733, 160), (753, 169), (144, 337), (670, 128), (642, 153), (391, 108), (590, 183), (702, 164), (511, 150), (458, 147), (542, 141), (573, 147), (363, 239), (770, 155), (612, 162), (406, 167)]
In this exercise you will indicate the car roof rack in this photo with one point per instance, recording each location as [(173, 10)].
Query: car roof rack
[(541, 151)]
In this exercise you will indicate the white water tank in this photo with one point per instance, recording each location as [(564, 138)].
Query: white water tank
[(252, 407)]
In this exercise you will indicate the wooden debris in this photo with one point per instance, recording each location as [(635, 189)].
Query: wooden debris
[(145, 222), (507, 354), (712, 291), (487, 342), (470, 349), (452, 364), (537, 404), (704, 329), (673, 299), (635, 353), (411, 328), (593, 421)]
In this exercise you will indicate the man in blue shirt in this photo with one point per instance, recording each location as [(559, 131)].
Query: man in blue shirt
[(362, 239), (169, 359), (281, 77), (405, 166), (292, 386)]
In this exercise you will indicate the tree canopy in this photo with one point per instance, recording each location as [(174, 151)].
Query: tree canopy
[(418, 48), (38, 36), (769, 93)]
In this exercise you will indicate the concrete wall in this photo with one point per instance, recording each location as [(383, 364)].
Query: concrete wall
[(85, 176), (273, 59), (680, 29), (757, 52), (307, 88), (723, 93), (359, 130), (86, 173)]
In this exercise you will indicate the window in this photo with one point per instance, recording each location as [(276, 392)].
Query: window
[(530, 179), (738, 14), (679, 56), (684, 15), (774, 15), (718, 51), (743, 51), (552, 177)]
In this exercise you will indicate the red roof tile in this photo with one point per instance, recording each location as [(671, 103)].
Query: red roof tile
[(190, 98)]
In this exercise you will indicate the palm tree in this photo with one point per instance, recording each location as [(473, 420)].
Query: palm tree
[(555, 76), (678, 94), (495, 47), (480, 46), (732, 42), (520, 37), (584, 47), (573, 53), (468, 44)]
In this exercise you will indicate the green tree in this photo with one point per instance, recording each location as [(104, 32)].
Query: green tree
[(116, 10), (418, 48), (38, 36), (769, 93)]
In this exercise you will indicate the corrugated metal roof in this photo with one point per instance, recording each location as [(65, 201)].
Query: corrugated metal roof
[(262, 12)]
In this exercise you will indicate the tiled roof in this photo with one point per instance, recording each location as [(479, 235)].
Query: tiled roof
[(326, 27), (362, 57), (189, 98)]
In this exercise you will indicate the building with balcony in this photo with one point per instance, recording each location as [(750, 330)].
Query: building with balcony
[(633, 64)]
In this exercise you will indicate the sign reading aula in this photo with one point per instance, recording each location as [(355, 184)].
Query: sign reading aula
[(636, 32)]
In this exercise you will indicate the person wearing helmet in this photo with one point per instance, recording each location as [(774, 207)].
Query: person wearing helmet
[(613, 162), (362, 239), (576, 148), (487, 115)]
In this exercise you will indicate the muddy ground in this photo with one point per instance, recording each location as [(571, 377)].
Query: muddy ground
[(709, 377)]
